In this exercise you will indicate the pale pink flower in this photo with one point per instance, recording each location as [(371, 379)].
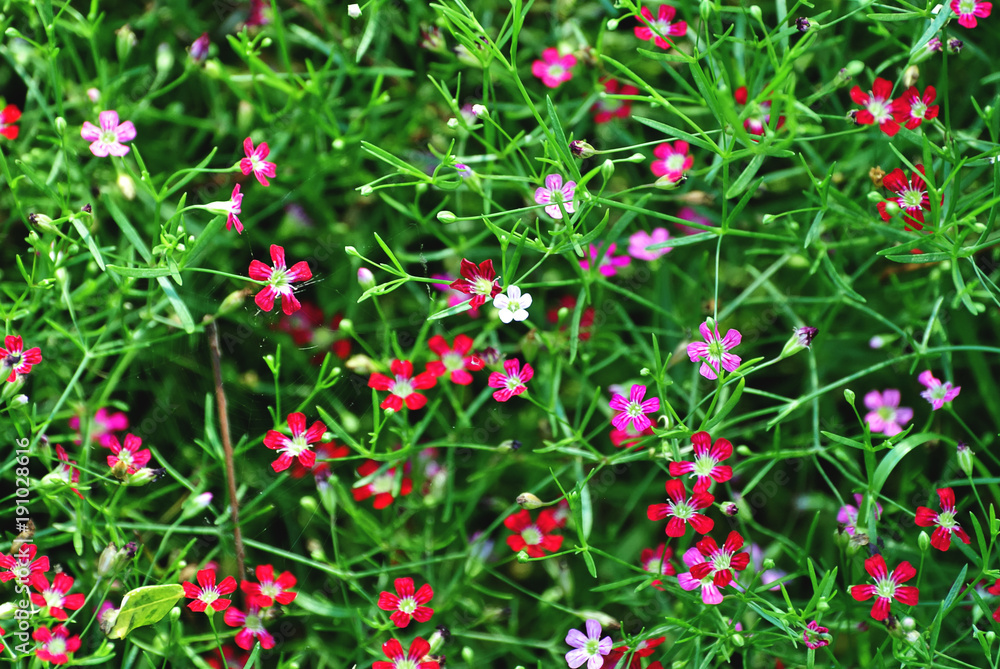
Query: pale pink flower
[(937, 393), (607, 262), (555, 193), (107, 140), (639, 243), (885, 416)]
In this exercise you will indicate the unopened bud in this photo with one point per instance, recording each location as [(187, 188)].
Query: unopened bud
[(669, 182), (800, 340), (756, 12), (233, 301), (468, 655), (164, 58), (910, 75), (854, 68), (730, 508), (849, 396), (144, 476), (607, 169), (635, 158), (509, 446), (365, 278), (612, 24), (446, 216), (480, 111), (802, 24), (965, 458), (581, 149), (438, 638), (366, 190), (124, 41), (875, 196), (738, 638), (955, 45), (528, 501), (42, 222), (354, 11), (127, 186), (923, 541), (199, 49), (346, 325)]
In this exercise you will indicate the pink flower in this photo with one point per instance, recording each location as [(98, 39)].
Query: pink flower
[(968, 10), (55, 646), (254, 162), (848, 514), (455, 361), (258, 16), (55, 597), (105, 424), (658, 562), (554, 194), (15, 359), (381, 486), (480, 282), (887, 586), (885, 415), (413, 659), (628, 438), (815, 636), (279, 281), (253, 627), (707, 457), (298, 445), (944, 522), (406, 603), (589, 648), (674, 160), (24, 566), (207, 594), (607, 263), (689, 214), (607, 109), (911, 196), (760, 117), (913, 108), (877, 106), (554, 69), (403, 386), (130, 456), (235, 202), (683, 510), (633, 410), (662, 25), (512, 382), (719, 562), (8, 117), (937, 393), (714, 351), (709, 590), (639, 243), (107, 140)]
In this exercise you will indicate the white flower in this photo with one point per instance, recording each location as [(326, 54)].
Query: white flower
[(353, 11), (513, 306)]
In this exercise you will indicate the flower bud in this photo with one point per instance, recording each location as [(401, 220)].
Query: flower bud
[(923, 541), (468, 656), (669, 182), (612, 24), (446, 216), (233, 301), (801, 339), (607, 169), (365, 278), (7, 610), (965, 458), (195, 505), (910, 75), (854, 68), (756, 12), (42, 222), (309, 503), (452, 122), (93, 94), (635, 158), (438, 638), (529, 501), (199, 48), (737, 637), (581, 149), (875, 196), (955, 45), (124, 41), (509, 446), (480, 111), (354, 11), (802, 24), (366, 190), (144, 476), (730, 509), (706, 8), (127, 186), (164, 58), (849, 396), (346, 325)]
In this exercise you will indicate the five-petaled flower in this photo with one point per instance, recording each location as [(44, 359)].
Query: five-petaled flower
[(639, 243), (709, 590), (407, 603), (252, 624), (456, 360), (513, 306), (661, 27), (104, 425), (815, 636), (937, 393), (707, 457), (674, 160), (412, 659), (589, 648), (107, 140), (888, 586), (759, 117), (15, 359), (402, 386), (885, 416), (533, 537), (479, 281), (55, 597), (22, 565), (298, 445), (554, 69), (132, 457), (512, 381), (968, 10), (714, 351), (279, 280), (557, 197), (658, 562), (914, 108), (719, 562), (56, 644), (270, 589), (232, 208), (911, 196), (944, 522), (606, 262), (8, 117), (254, 162), (633, 409), (877, 106), (382, 485), (606, 109), (207, 593), (683, 510)]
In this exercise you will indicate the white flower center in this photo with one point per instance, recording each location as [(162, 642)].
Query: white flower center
[(634, 410), (453, 361), (704, 464), (683, 510), (403, 387), (383, 483), (946, 519), (675, 163), (879, 110), (109, 137), (885, 587), (531, 535), (918, 109), (887, 414), (482, 286), (966, 6), (57, 646), (512, 382), (407, 605), (593, 647), (513, 305), (911, 198)]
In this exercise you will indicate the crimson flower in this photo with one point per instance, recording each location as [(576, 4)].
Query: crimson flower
[(270, 589), (533, 537), (720, 562), (252, 623), (321, 469), (8, 117), (707, 457), (887, 586), (877, 106), (914, 108), (414, 659), (911, 196), (55, 596), (381, 486), (129, 456), (279, 280), (13, 357), (55, 645), (455, 360), (662, 24), (403, 386), (759, 118), (24, 566), (944, 522), (406, 603), (254, 162), (296, 446), (683, 510), (658, 562), (207, 594), (512, 382), (607, 109), (479, 281)]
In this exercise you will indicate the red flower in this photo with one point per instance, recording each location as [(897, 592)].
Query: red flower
[(254, 162), (207, 593), (381, 486), (67, 471), (629, 438), (414, 659), (321, 469), (911, 196), (234, 659), (406, 603), (131, 457), (270, 589), (586, 317), (658, 562), (877, 107), (455, 360), (642, 649), (913, 108), (480, 282), (24, 566), (54, 646), (296, 446), (761, 116), (403, 386), (253, 627), (606, 109), (532, 536), (8, 117), (663, 25), (683, 510), (706, 465), (16, 359), (995, 590), (945, 521), (279, 280), (719, 562), (511, 383), (55, 597), (887, 586)]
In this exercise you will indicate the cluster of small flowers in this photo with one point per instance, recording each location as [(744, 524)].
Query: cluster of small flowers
[(406, 604)]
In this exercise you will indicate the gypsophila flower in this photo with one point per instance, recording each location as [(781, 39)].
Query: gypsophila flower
[(937, 393), (914, 108), (512, 381), (815, 636), (633, 410), (714, 351), (969, 10), (885, 415), (252, 624), (103, 427), (658, 562), (455, 361), (279, 280), (943, 522), (553, 69), (22, 565), (402, 386), (381, 486), (642, 649), (55, 597), (848, 515), (415, 658), (877, 107), (556, 196), (513, 306), (207, 594), (14, 359), (254, 161), (55, 645), (674, 160), (720, 562), (298, 445), (661, 27), (233, 208), (607, 263), (888, 586), (607, 108), (639, 243), (533, 537), (407, 603), (589, 648), (710, 593), (911, 196), (706, 467), (131, 457), (760, 116), (107, 139), (683, 510), (479, 281), (199, 48), (8, 117)]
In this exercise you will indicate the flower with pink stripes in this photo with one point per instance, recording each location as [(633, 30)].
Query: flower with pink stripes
[(720, 562), (887, 587), (683, 510), (254, 161), (707, 457), (279, 280), (714, 351), (298, 445), (207, 594), (512, 382), (943, 522), (634, 409), (107, 139), (402, 386), (660, 27), (407, 603)]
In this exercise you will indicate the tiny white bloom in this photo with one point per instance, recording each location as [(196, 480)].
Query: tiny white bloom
[(353, 11), (513, 306), (480, 110)]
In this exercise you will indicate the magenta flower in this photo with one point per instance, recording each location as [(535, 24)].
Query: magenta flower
[(937, 393), (403, 385), (885, 415), (943, 522), (639, 243), (254, 162), (714, 351), (55, 645), (407, 603), (131, 456), (911, 196), (689, 214), (877, 106), (662, 25), (107, 140), (607, 263), (633, 410), (199, 48), (719, 562), (208, 594), (968, 10), (683, 510), (887, 586), (235, 202), (104, 426), (815, 636), (674, 160), (848, 514), (512, 382), (589, 648), (554, 194), (298, 446), (15, 359), (554, 69), (279, 281), (252, 627), (706, 467)]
